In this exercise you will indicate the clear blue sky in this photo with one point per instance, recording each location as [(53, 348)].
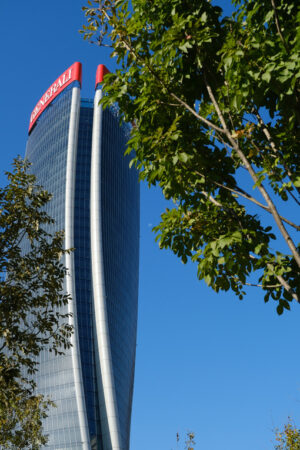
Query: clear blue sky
[(228, 370)]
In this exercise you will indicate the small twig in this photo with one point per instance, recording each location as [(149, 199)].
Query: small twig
[(202, 119), (293, 196), (270, 140), (225, 208), (278, 26), (271, 286), (104, 45), (268, 286), (213, 200), (282, 281), (168, 104), (244, 194)]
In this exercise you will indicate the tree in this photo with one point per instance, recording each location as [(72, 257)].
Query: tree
[(31, 295), (214, 104), (189, 441), (289, 438)]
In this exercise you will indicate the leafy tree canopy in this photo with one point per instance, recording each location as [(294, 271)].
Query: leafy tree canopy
[(31, 295), (215, 107)]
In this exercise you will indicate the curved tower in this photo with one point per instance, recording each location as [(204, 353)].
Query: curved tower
[(77, 153)]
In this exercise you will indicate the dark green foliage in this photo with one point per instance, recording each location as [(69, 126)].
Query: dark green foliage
[(31, 293), (214, 102)]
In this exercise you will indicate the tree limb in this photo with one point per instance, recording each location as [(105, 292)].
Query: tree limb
[(225, 208), (271, 286), (251, 171), (278, 26), (293, 197), (244, 194), (282, 281), (161, 82), (225, 131)]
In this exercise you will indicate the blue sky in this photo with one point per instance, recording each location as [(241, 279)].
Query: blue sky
[(228, 370)]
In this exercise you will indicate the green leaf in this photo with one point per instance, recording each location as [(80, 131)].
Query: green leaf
[(266, 77), (297, 182), (183, 157), (279, 309), (286, 304), (269, 16)]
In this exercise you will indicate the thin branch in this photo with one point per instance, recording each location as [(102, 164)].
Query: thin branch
[(272, 143), (287, 287), (19, 237), (270, 286), (265, 130), (293, 196), (278, 26), (2, 346), (250, 169), (213, 200), (225, 208), (245, 194), (202, 119), (104, 45), (168, 104), (226, 144), (230, 118), (267, 286), (163, 84), (282, 281)]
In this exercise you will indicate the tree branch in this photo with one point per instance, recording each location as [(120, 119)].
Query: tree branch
[(282, 281), (293, 197), (251, 171), (244, 194), (272, 144), (287, 287), (268, 286), (225, 208), (271, 286), (178, 99), (278, 26)]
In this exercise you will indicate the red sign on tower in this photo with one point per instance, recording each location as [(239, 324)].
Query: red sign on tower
[(73, 73)]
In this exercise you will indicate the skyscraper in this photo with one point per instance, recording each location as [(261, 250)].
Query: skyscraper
[(77, 153)]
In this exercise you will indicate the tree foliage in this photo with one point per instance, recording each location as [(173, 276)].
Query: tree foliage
[(288, 438), (214, 103), (189, 441), (31, 295)]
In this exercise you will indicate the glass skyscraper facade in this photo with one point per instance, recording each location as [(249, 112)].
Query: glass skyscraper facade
[(77, 153)]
